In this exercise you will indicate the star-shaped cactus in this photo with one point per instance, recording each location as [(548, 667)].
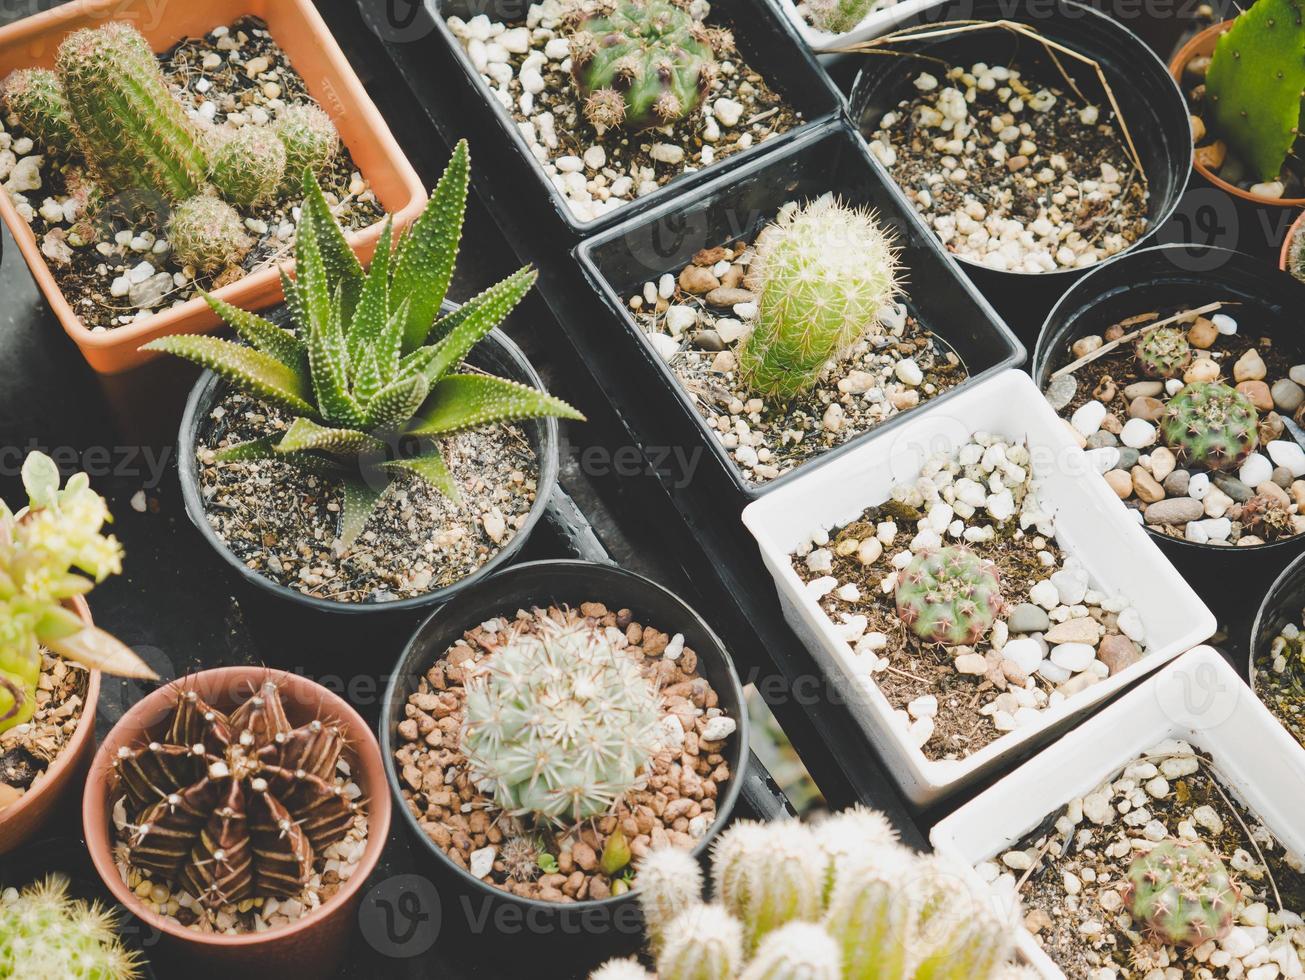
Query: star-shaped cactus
[(234, 806)]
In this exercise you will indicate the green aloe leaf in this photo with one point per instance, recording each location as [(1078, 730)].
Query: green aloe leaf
[(327, 358), (373, 309), (466, 401), (342, 267), (294, 299), (243, 452), (259, 374), (367, 376), (262, 333), (429, 466), (306, 435), (389, 349), (360, 501), (310, 274), (424, 266), (487, 311), (396, 403)]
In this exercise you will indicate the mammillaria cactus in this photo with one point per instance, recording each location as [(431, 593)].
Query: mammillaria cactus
[(310, 140), (234, 806), (249, 166), (45, 933), (797, 951), (560, 724), (949, 595), (838, 16), (42, 548), (1211, 424), (822, 274), (1254, 84), (1181, 893), (208, 233), (703, 941), (371, 370), (641, 63), (34, 97), (1163, 353)]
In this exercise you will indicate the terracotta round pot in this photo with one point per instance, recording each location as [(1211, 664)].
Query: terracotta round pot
[(1297, 227), (19, 822), (1203, 44), (310, 947)]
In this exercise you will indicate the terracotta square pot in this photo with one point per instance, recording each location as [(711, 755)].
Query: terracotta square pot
[(303, 35)]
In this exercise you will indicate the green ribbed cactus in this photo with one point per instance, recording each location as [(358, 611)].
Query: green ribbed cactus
[(208, 233), (822, 274), (702, 942), (642, 63), (1181, 893), (45, 933), (955, 932), (1210, 424), (949, 595), (131, 128), (797, 951), (310, 139), (838, 16), (1163, 353), (1255, 84), (34, 97), (767, 879), (249, 167), (669, 882), (870, 918)]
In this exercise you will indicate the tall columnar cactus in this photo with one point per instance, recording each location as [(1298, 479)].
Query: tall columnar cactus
[(208, 233), (249, 167), (1255, 84), (372, 369), (838, 16), (823, 274), (949, 595), (856, 838), (641, 63), (310, 139), (560, 724), (34, 97), (768, 879), (797, 951), (955, 933), (45, 933), (131, 128), (1163, 353), (670, 882), (1210, 424), (702, 942), (42, 550), (1181, 893), (870, 916)]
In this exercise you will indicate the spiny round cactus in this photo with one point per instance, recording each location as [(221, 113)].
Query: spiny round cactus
[(822, 274), (767, 879), (1181, 893), (949, 595), (669, 882), (249, 167), (208, 233), (44, 933), (642, 63), (1163, 353), (310, 139), (1211, 424), (560, 723), (797, 951), (837, 16), (704, 941), (34, 97), (1266, 516)]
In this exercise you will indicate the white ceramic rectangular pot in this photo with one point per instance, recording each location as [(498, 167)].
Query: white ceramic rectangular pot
[(885, 17), (1200, 700), (1091, 524)]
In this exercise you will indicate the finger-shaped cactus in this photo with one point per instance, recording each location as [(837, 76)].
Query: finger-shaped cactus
[(1210, 424), (871, 919), (310, 139), (797, 951), (209, 234), (956, 933), (131, 128), (1255, 83), (701, 943), (1163, 353), (823, 274), (641, 63), (34, 97), (1181, 893), (669, 882), (949, 595), (766, 879), (45, 933), (856, 838), (838, 16), (249, 167)]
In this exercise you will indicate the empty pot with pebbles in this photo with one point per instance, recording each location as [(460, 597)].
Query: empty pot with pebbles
[(630, 737)]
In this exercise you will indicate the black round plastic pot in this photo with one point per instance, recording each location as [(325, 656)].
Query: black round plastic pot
[(1282, 605), (1229, 579), (1149, 100), (519, 931), (496, 354)]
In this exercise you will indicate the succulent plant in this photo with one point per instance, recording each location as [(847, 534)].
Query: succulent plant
[(42, 549), (1266, 516), (249, 166), (955, 934), (642, 63), (1163, 353), (45, 933), (768, 879), (310, 139), (1296, 254), (949, 595), (560, 724), (796, 951), (822, 274), (1210, 424), (701, 943), (236, 806), (1254, 85), (34, 97), (838, 16), (208, 233), (621, 970), (370, 371), (670, 882), (1181, 893)]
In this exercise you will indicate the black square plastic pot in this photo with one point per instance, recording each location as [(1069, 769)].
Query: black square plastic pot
[(764, 38), (736, 206), (1148, 98)]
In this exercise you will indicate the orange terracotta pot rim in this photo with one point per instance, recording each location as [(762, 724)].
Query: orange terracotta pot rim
[(68, 754), (1296, 228), (1203, 43), (150, 710)]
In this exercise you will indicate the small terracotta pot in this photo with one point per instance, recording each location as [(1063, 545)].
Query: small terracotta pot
[(1203, 44), (1297, 227), (21, 821), (311, 947), (307, 42)]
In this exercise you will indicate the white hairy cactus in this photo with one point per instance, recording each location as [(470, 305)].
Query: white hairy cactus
[(797, 951), (957, 933), (669, 883), (838, 16), (704, 943), (621, 970), (854, 838), (768, 876)]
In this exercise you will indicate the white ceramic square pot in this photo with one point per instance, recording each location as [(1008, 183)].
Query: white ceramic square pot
[(1091, 525), (1200, 700), (884, 18)]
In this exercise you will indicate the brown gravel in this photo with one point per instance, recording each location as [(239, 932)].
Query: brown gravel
[(27, 750)]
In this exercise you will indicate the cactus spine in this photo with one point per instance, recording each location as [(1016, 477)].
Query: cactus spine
[(44, 933), (310, 140), (34, 97), (838, 16), (250, 166), (208, 233), (1211, 424), (797, 951), (768, 879), (822, 274), (1182, 893), (621, 970), (702, 943), (949, 595), (1163, 353), (670, 882)]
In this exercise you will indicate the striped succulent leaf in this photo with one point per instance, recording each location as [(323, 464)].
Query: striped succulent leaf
[(361, 496), (263, 334), (467, 401), (488, 311), (305, 434), (253, 371), (396, 403), (429, 466)]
